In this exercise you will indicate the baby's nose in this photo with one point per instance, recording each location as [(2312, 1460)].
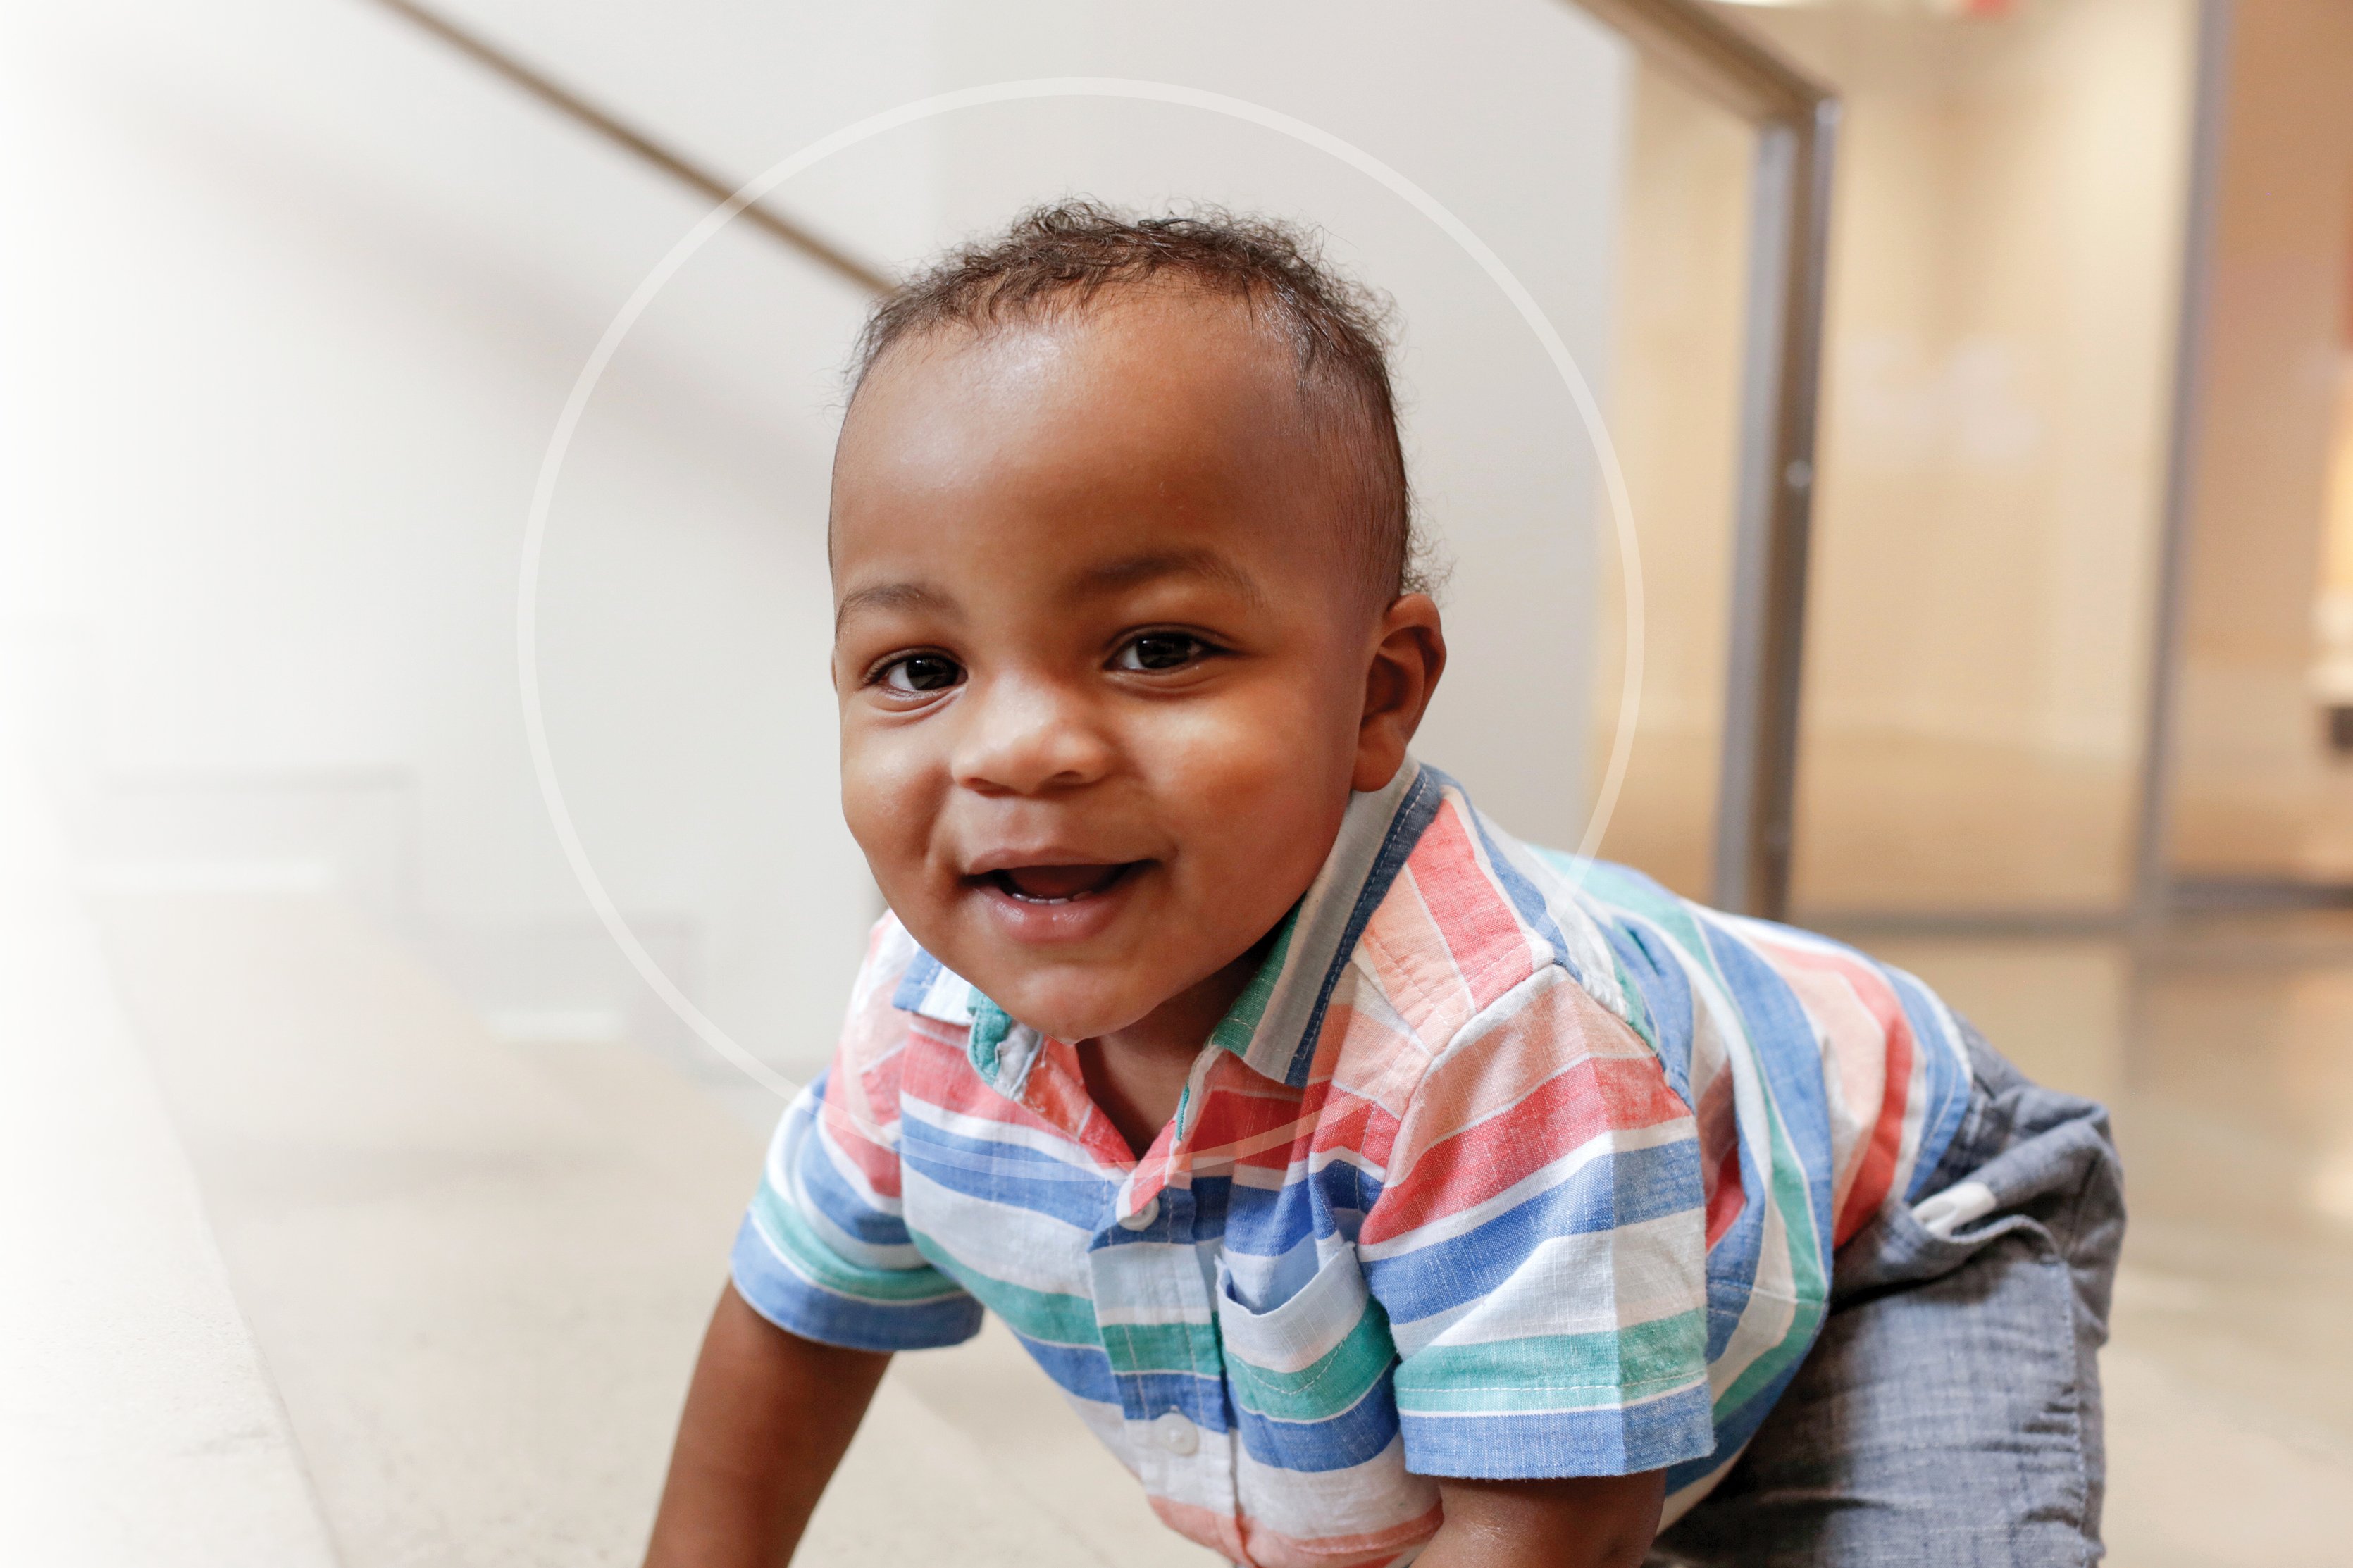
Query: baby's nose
[(1024, 737)]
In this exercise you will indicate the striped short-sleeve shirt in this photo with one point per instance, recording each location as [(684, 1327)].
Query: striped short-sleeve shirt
[(1505, 1164)]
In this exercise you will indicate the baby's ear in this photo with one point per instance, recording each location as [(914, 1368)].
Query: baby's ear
[(1407, 661)]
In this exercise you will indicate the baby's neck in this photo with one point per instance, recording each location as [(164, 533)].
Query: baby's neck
[(1137, 1087), (1137, 1075)]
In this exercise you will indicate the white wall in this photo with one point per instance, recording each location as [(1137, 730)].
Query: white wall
[(293, 296)]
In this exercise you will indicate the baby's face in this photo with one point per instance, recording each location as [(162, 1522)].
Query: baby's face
[(1102, 663)]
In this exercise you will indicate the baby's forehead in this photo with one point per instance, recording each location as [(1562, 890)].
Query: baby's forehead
[(1142, 421), (1170, 386), (1157, 337)]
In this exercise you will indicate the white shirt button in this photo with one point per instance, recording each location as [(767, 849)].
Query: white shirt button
[(1142, 1218), (1176, 1435)]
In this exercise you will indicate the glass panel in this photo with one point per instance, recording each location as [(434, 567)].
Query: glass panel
[(1674, 416), (2005, 259), (2264, 744)]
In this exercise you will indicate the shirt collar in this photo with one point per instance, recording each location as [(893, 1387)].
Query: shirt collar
[(1273, 1025)]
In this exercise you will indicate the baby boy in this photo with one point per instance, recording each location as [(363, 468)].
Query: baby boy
[(1378, 1187)]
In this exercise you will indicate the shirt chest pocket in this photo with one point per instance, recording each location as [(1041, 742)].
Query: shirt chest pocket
[(1310, 1373)]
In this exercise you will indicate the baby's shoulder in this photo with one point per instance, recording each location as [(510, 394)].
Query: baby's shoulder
[(1481, 936), (1527, 1044)]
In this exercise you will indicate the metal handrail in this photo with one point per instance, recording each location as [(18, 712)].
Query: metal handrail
[(574, 107)]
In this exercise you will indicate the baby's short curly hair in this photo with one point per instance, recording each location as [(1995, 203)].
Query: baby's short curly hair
[(1065, 256)]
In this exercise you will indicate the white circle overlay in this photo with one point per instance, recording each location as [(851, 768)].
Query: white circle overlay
[(584, 387)]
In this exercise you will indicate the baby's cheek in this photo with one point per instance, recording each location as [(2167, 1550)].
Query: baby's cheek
[(1282, 764), (1285, 728), (889, 805), (1262, 817)]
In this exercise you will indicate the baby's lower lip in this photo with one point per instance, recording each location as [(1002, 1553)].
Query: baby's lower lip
[(1056, 903)]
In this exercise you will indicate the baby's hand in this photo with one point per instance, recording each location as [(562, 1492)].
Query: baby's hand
[(1574, 1521)]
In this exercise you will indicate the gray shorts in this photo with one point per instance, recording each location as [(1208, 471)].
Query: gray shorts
[(1950, 1413)]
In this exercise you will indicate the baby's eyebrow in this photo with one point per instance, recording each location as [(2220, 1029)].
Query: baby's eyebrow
[(1131, 570), (889, 596)]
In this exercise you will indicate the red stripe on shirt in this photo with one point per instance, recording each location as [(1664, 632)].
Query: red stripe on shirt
[(1719, 1148), (849, 1121), (1876, 1173), (1585, 1099), (1482, 931)]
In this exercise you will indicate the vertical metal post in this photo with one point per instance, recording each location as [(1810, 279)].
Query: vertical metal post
[(2152, 888), (1781, 378), (1789, 259)]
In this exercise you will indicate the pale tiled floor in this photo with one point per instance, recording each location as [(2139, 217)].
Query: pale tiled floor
[(138, 1421), (476, 1272)]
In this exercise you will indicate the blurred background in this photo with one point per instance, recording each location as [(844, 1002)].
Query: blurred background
[(1981, 373)]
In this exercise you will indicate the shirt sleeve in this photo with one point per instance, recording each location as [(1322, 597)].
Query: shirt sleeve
[(824, 1250), (1540, 1249)]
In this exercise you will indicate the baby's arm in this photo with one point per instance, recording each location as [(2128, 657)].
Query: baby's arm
[(1578, 1521), (767, 1418)]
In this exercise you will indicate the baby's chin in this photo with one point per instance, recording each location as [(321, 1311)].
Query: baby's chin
[(1063, 1005)]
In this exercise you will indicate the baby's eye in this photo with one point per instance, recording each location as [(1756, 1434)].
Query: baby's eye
[(919, 674), (1159, 650)]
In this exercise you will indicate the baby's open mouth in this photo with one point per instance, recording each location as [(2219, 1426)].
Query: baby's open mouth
[(1057, 884)]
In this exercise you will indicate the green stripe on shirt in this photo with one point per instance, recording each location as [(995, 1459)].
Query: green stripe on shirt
[(1331, 1383), (1557, 1372), (808, 1255)]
